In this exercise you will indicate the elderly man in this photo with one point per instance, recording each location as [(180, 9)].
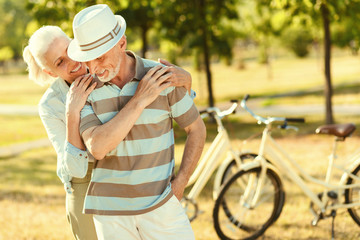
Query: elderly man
[(127, 123)]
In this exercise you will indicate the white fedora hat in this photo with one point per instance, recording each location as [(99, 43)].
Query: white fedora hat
[(96, 31)]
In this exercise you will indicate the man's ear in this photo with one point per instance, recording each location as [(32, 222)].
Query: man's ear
[(123, 43), (50, 73)]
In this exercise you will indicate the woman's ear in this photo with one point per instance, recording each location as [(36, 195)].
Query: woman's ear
[(50, 73)]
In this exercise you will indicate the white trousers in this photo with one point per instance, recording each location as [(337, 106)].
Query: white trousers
[(168, 222)]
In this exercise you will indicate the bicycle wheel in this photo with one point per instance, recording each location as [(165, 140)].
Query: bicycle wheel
[(237, 219), (352, 195), (231, 169)]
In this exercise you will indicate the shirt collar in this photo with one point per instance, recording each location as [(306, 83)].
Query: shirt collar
[(139, 66), (139, 70)]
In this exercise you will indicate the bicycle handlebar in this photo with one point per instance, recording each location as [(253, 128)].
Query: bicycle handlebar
[(268, 119), (221, 114)]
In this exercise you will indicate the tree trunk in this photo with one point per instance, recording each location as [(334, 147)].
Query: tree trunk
[(327, 59), (144, 31), (206, 52)]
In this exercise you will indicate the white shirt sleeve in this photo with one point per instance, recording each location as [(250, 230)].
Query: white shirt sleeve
[(52, 114)]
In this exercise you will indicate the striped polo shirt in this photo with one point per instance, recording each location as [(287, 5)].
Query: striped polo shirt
[(134, 178)]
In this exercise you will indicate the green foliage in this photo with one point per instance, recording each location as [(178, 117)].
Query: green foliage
[(6, 53), (261, 23), (14, 19), (56, 12), (298, 40), (186, 21)]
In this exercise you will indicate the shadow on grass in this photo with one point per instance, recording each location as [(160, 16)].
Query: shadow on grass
[(243, 129), (35, 168), (340, 89), (23, 196)]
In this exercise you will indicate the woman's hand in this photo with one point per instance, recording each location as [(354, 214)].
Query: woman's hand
[(179, 77), (151, 85), (78, 93)]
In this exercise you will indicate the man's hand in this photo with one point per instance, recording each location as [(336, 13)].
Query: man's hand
[(178, 186), (179, 77)]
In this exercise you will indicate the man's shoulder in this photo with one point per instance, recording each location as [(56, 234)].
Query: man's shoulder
[(148, 63), (102, 91)]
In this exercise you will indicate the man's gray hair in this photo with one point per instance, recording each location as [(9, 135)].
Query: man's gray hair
[(34, 53)]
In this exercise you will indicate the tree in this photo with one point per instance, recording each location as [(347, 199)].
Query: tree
[(323, 12), (6, 53), (14, 20), (262, 24), (298, 39), (203, 25), (58, 12), (140, 15)]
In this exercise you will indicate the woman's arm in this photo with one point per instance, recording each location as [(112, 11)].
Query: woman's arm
[(75, 101), (71, 159), (75, 158)]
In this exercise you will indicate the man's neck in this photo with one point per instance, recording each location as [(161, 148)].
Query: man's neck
[(126, 73)]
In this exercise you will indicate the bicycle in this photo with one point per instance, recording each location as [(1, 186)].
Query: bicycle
[(214, 159), (253, 198)]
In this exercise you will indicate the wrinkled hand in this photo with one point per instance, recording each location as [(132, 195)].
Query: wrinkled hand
[(178, 186), (152, 84), (179, 77), (78, 93)]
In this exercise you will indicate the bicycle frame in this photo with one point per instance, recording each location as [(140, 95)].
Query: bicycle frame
[(280, 159), (213, 158)]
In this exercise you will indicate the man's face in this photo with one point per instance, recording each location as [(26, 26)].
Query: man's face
[(107, 66), (59, 63)]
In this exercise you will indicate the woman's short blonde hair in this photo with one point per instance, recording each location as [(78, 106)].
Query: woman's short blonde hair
[(34, 52)]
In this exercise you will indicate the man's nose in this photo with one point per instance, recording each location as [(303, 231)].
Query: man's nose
[(91, 66)]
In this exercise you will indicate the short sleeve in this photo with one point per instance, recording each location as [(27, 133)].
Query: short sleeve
[(88, 118), (183, 109)]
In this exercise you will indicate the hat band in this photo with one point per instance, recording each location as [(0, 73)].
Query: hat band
[(103, 40)]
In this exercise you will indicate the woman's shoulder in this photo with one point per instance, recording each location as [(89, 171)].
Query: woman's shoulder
[(55, 95)]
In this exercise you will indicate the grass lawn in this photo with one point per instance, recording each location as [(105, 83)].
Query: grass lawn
[(287, 75), (17, 89), (17, 129), (32, 198)]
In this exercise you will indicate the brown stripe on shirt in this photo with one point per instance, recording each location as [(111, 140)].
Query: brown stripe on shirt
[(128, 191), (108, 105), (115, 104), (128, 212), (188, 117), (89, 121), (176, 95), (138, 162), (160, 103), (150, 130)]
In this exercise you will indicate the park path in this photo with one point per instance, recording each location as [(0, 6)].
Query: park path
[(254, 104)]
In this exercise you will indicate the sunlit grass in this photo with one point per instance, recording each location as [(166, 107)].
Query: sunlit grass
[(18, 89), (33, 199), (17, 129), (287, 75)]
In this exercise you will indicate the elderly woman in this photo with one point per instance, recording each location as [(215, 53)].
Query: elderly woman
[(59, 109)]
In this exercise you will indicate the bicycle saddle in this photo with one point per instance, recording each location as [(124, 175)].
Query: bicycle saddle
[(339, 130)]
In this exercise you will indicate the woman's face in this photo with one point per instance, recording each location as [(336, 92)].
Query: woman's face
[(59, 64)]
